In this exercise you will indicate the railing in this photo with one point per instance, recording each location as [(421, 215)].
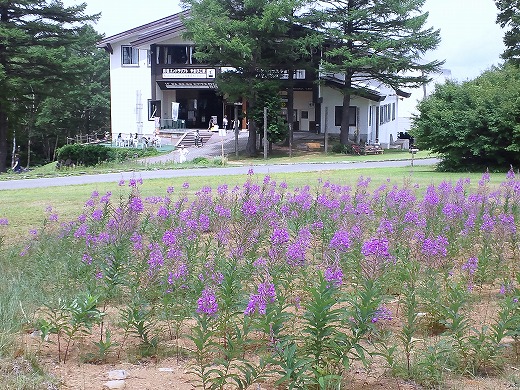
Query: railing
[(88, 138), (173, 124)]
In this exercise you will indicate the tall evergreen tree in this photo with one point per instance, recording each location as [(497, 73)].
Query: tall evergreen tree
[(34, 56), (247, 36), (375, 40), (509, 17)]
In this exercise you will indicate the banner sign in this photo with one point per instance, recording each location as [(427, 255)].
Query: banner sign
[(188, 73)]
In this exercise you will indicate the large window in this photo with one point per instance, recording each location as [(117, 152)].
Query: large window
[(352, 115), (129, 55), (175, 54)]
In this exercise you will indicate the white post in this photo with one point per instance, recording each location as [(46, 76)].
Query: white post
[(265, 132)]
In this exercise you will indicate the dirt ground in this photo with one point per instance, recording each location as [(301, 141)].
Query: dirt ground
[(170, 373)]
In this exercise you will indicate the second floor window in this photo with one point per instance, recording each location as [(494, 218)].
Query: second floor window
[(129, 55)]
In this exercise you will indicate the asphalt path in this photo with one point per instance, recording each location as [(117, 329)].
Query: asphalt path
[(201, 172)]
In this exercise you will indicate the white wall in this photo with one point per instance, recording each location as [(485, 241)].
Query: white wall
[(303, 102), (332, 98), (126, 83)]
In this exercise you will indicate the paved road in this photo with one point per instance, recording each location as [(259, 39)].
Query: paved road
[(231, 170)]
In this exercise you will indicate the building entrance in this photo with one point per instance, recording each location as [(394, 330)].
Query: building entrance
[(196, 107)]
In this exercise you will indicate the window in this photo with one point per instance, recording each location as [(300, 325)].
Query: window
[(174, 55), (393, 111), (352, 115), (129, 55), (154, 109)]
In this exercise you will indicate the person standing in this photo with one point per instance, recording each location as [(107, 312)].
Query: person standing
[(225, 122), (183, 153)]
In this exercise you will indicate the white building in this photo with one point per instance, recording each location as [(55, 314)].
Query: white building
[(156, 82)]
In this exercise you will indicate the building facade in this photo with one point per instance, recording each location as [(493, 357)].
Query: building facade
[(158, 85)]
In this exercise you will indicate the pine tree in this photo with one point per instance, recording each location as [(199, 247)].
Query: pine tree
[(375, 40), (251, 37), (34, 56), (509, 17)]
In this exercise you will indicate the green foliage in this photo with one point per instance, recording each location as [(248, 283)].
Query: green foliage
[(38, 57), (473, 125), (509, 17), (91, 155), (269, 97), (374, 40)]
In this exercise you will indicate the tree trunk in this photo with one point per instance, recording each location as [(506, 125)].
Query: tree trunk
[(345, 119), (251, 140), (3, 137)]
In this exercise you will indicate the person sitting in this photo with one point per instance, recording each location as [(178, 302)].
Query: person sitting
[(17, 167)]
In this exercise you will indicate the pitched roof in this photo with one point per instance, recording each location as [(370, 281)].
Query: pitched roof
[(162, 28)]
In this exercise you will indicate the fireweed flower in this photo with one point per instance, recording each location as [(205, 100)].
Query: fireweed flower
[(81, 231), (121, 183), (4, 222), (280, 236), (156, 258), (97, 214), (207, 303), (376, 247), (87, 259), (484, 180), (435, 246), (382, 313), (163, 212), (266, 293), (488, 223), (471, 265), (169, 238), (136, 204), (431, 198), (340, 241), (249, 208), (508, 222), (334, 275), (452, 211), (137, 239), (105, 198), (186, 185), (296, 251), (506, 288)]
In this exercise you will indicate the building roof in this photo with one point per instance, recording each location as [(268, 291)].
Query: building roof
[(147, 33)]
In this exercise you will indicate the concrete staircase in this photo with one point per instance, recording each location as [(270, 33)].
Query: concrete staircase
[(188, 139)]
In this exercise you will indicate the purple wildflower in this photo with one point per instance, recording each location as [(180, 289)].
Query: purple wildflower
[(471, 265), (435, 246), (340, 241), (207, 303), (258, 302), (4, 222), (376, 247), (280, 236), (97, 214), (136, 204), (382, 313), (334, 275)]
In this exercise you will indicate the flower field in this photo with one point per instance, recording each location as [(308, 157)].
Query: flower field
[(265, 285)]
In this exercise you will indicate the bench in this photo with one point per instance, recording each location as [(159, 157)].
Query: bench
[(373, 149)]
